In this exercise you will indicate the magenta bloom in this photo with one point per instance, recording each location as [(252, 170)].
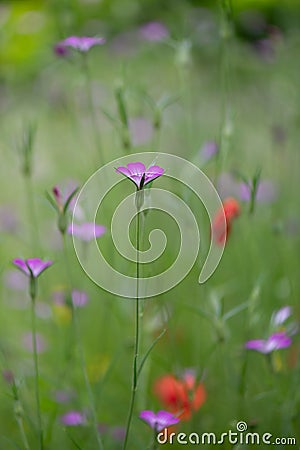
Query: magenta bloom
[(73, 419), (275, 342), (79, 298), (154, 31), (86, 231), (138, 173), (32, 267), (159, 421), (82, 44)]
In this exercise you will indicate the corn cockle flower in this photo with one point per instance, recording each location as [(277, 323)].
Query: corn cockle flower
[(80, 43), (61, 206), (160, 420), (79, 298), (139, 175), (32, 267), (275, 342), (86, 231)]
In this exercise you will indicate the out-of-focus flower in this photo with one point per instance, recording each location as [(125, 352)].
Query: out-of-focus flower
[(208, 150), (154, 31), (32, 267), (139, 175), (8, 219), (8, 376), (220, 231), (280, 316), (275, 342), (86, 231), (79, 298), (228, 186), (16, 280), (73, 419), (41, 345), (141, 130), (80, 43), (266, 192), (160, 420), (182, 396), (61, 204)]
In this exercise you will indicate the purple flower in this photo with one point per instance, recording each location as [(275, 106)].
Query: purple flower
[(154, 31), (141, 130), (159, 421), (16, 280), (32, 267), (138, 173), (208, 150), (86, 231), (275, 342), (281, 315), (41, 345), (79, 298), (82, 44), (266, 192), (73, 419)]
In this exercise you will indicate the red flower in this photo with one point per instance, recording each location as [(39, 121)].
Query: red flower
[(231, 210), (183, 396)]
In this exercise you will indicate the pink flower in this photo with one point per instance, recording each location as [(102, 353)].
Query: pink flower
[(79, 298), (32, 267), (73, 419), (41, 345), (154, 31), (275, 342), (86, 231), (138, 173), (159, 421), (82, 44)]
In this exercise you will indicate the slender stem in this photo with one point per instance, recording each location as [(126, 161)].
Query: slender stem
[(34, 231), (135, 371), (78, 340), (155, 442), (36, 369), (91, 106)]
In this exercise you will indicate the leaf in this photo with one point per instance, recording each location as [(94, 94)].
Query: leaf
[(235, 311), (69, 199), (51, 201), (149, 351)]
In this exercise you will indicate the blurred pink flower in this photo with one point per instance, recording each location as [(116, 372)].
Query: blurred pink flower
[(154, 31), (16, 280), (8, 219), (86, 231), (73, 419), (41, 344), (275, 342), (80, 43), (141, 130), (79, 298)]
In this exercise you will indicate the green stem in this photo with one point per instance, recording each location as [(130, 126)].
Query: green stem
[(155, 443), (36, 369), (34, 232), (91, 107), (135, 371), (78, 340)]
